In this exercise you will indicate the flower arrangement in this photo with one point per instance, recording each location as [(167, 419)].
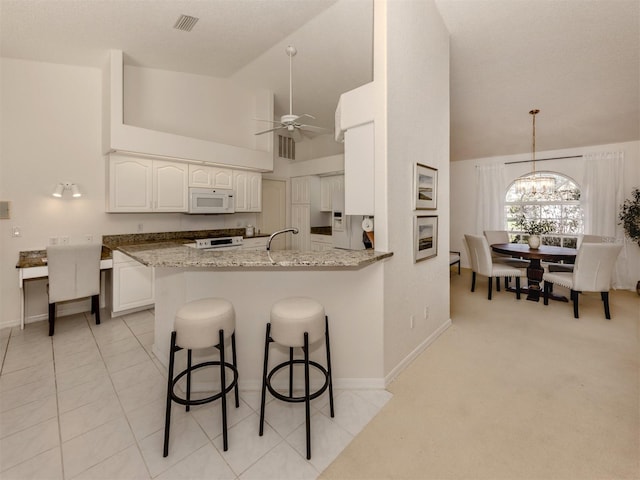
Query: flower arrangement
[(535, 227)]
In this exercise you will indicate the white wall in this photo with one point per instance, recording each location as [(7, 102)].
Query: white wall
[(463, 188), (50, 130), (417, 104)]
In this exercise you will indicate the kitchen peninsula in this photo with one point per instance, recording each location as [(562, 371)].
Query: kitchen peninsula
[(344, 281)]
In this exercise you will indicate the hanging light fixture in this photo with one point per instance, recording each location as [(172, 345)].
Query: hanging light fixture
[(535, 183)]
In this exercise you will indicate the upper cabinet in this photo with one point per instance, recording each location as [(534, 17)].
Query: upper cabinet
[(145, 185), (214, 177), (248, 191), (328, 187), (118, 136)]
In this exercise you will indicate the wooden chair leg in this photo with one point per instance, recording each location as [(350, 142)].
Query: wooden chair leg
[(574, 298), (473, 281), (490, 282), (498, 284), (95, 307), (547, 290), (605, 300), (518, 288)]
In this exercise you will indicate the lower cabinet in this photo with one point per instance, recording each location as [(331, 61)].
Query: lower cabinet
[(132, 285), (321, 243), (301, 220)]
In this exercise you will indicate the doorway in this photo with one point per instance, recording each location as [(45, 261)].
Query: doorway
[(274, 210)]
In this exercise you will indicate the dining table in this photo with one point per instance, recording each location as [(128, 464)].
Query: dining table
[(547, 253)]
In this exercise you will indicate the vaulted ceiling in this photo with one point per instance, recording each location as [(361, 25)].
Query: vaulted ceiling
[(578, 61)]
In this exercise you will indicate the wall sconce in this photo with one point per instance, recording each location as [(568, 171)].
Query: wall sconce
[(61, 187)]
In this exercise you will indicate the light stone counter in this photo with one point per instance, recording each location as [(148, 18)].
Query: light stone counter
[(172, 255), (349, 284)]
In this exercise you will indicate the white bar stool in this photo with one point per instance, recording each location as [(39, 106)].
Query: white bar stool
[(297, 322), (204, 323)]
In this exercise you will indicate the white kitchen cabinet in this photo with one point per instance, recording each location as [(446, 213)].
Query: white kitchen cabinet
[(247, 187), (320, 243), (212, 177), (359, 170), (145, 185), (301, 190), (328, 187), (133, 284), (301, 219)]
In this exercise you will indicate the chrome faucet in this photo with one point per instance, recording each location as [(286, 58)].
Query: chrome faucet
[(293, 230)]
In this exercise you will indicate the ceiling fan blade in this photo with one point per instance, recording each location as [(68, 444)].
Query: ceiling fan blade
[(269, 121), (296, 135), (313, 128), (270, 130), (306, 115)]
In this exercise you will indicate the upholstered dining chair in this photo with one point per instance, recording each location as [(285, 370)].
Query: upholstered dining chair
[(482, 263), (74, 272), (568, 267), (454, 259), (591, 273), (502, 236)]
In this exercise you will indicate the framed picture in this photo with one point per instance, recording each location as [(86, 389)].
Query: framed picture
[(425, 189), (425, 234)]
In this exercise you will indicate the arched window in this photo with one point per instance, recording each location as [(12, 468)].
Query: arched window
[(561, 206)]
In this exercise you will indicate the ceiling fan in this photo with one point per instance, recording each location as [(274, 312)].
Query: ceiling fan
[(291, 124)]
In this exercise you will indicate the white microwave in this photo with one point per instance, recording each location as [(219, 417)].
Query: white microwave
[(211, 200)]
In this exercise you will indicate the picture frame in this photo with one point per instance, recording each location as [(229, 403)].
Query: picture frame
[(425, 237), (425, 188)]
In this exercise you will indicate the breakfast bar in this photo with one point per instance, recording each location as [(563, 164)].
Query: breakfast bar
[(346, 282)]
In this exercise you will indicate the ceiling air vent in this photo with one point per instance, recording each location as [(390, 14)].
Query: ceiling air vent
[(185, 23), (286, 147)]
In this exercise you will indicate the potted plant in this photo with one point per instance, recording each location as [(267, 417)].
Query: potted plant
[(535, 228), (630, 220)]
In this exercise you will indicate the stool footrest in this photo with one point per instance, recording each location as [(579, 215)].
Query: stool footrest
[(202, 401), (292, 399)]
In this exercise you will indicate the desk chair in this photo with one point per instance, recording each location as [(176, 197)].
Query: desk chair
[(74, 272), (591, 273)]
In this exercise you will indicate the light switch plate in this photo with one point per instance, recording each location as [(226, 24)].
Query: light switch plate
[(5, 210)]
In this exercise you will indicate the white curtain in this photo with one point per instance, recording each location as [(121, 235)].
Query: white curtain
[(490, 192), (602, 195)]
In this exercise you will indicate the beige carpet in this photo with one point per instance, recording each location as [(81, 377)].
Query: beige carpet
[(513, 390)]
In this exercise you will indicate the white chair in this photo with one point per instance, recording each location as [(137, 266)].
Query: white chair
[(481, 262), (502, 236), (74, 272), (568, 267), (454, 259), (591, 273)]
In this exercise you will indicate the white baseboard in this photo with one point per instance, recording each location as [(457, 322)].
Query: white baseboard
[(417, 351)]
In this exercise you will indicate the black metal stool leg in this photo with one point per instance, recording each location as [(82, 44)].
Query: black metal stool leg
[(235, 364), (326, 339), (307, 400), (167, 418), (187, 407), (290, 371), (223, 386), (264, 378)]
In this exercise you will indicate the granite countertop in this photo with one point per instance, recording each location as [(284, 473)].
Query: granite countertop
[(164, 255), (38, 258)]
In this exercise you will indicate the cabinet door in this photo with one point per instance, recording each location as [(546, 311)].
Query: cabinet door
[(170, 182), (199, 176), (326, 189), (221, 177), (254, 193), (300, 191), (300, 218), (359, 170), (133, 284), (130, 184), (240, 187)]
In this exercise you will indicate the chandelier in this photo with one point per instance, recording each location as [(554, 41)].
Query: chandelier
[(535, 183)]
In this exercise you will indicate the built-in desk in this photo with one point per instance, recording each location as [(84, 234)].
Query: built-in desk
[(33, 264)]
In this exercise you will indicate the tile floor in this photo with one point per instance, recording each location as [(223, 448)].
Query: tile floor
[(88, 403)]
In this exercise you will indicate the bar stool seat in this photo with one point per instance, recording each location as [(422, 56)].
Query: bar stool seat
[(297, 322), (203, 323)]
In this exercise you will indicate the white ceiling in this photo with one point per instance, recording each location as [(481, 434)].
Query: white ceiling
[(578, 61)]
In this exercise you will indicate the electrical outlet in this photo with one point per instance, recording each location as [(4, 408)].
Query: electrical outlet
[(426, 312), (88, 238), (64, 240), (411, 321), (17, 232), (53, 240)]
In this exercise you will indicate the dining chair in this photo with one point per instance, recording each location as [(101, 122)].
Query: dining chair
[(502, 236), (482, 263), (74, 272), (591, 273), (454, 259), (568, 267)]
